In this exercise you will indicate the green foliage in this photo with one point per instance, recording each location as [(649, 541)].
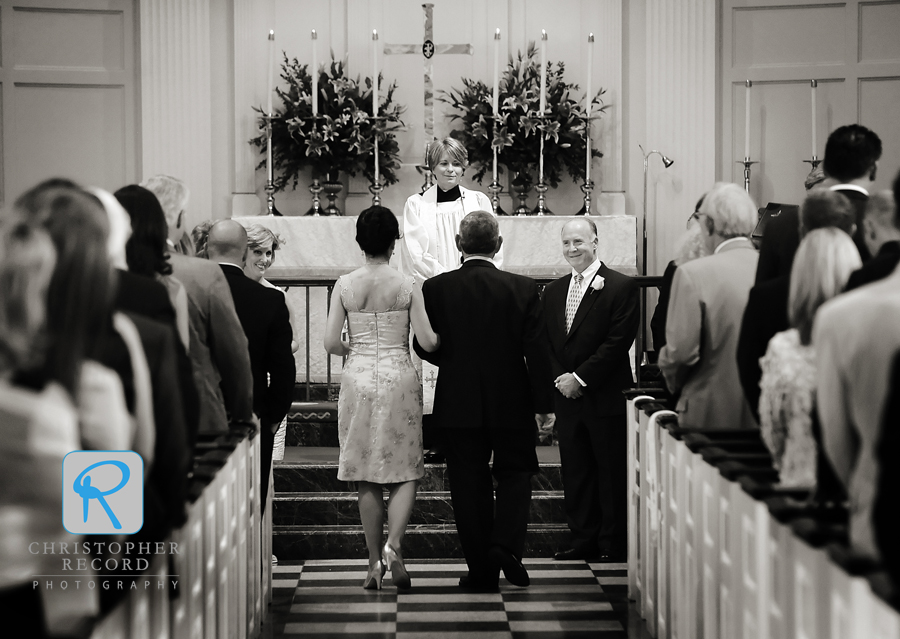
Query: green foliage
[(517, 133), (341, 139)]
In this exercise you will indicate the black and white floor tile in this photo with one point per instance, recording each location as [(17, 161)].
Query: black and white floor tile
[(324, 598)]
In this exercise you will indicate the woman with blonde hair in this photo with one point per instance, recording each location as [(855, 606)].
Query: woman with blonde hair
[(822, 265)]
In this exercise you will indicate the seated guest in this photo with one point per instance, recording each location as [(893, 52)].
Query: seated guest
[(884, 514), (264, 317), (851, 160), (147, 253), (38, 427), (218, 349), (856, 336), (708, 298), (881, 232), (823, 262), (767, 306), (782, 237), (689, 246)]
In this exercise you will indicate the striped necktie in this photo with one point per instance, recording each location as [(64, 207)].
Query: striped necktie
[(573, 301)]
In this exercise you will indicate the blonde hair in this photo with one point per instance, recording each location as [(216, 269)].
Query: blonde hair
[(27, 261), (822, 265), (451, 147), (730, 209), (258, 235)]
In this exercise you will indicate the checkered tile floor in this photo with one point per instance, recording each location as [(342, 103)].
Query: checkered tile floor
[(565, 599)]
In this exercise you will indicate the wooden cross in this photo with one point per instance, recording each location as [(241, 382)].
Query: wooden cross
[(428, 49)]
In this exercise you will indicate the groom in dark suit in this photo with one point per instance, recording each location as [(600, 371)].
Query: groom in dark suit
[(493, 386), (592, 319)]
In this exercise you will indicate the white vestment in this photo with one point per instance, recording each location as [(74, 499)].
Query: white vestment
[(428, 248)]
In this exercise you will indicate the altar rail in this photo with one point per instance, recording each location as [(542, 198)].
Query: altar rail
[(224, 566), (717, 549), (312, 332)]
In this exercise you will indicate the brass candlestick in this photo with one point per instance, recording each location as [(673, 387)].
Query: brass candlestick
[(586, 188), (747, 163), (270, 175)]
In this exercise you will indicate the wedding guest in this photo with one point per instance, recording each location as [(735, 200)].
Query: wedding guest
[(199, 237), (38, 427), (856, 336), (881, 232), (708, 298), (766, 312), (787, 401), (380, 403)]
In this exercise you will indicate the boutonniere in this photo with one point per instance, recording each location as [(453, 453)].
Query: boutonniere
[(598, 283)]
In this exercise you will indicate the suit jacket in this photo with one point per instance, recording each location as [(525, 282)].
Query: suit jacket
[(658, 321), (708, 300), (494, 370), (878, 268), (779, 243), (167, 480), (859, 201), (856, 335), (884, 515), (219, 353), (264, 317), (596, 348), (765, 315)]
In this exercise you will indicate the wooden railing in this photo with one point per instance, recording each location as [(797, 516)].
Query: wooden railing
[(224, 562)]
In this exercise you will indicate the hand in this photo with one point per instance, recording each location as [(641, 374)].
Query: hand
[(545, 423), (568, 386)]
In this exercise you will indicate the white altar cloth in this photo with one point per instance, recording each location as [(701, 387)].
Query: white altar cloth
[(320, 249)]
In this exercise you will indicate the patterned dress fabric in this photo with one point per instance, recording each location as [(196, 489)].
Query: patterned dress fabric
[(786, 403), (380, 403)]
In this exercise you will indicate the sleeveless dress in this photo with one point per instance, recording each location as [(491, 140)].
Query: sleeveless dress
[(380, 402)]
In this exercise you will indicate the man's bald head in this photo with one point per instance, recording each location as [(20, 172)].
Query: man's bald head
[(586, 223), (227, 242), (479, 234)]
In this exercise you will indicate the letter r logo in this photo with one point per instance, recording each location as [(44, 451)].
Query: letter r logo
[(103, 492)]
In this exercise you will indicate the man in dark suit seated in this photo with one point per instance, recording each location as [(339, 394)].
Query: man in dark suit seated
[(592, 319), (766, 312), (851, 159), (264, 317), (881, 232), (493, 384)]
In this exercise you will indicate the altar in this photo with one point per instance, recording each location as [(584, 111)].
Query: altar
[(318, 250)]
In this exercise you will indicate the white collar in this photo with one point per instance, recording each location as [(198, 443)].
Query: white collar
[(732, 240), (478, 257), (848, 187), (590, 271)]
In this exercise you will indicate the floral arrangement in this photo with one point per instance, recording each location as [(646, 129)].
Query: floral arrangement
[(516, 135), (341, 138)]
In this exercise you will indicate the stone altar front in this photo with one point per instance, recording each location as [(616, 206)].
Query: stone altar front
[(320, 249)]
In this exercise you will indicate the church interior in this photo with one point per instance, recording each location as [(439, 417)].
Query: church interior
[(651, 104)]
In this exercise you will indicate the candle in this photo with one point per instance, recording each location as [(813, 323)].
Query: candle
[(587, 108), (813, 85), (377, 172), (375, 95), (271, 74), (747, 122), (495, 165), (496, 94), (543, 106), (315, 73)]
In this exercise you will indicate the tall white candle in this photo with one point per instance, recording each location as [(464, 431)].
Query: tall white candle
[(813, 85), (496, 94), (747, 122), (374, 72), (543, 106), (375, 95), (315, 73), (587, 107), (271, 73), (495, 164)]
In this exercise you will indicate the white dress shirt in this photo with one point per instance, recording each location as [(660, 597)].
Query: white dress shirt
[(588, 274)]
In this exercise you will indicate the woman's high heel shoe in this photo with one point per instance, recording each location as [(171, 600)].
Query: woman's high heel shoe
[(373, 579), (394, 563)]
